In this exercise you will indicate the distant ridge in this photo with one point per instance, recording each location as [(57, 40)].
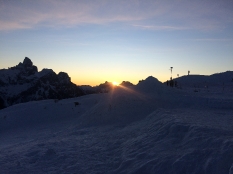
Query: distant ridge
[(23, 83), (218, 79)]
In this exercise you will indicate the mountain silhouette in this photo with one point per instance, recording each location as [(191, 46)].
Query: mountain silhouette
[(23, 83)]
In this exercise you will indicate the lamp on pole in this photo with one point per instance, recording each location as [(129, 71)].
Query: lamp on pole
[(171, 72)]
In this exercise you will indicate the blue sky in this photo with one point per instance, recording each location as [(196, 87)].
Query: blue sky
[(108, 40)]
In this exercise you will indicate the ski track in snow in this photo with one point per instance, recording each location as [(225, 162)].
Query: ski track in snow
[(142, 130)]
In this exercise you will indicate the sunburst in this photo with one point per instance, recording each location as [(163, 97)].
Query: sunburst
[(115, 83)]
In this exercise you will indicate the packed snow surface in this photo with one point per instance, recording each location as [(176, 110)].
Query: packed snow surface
[(150, 128)]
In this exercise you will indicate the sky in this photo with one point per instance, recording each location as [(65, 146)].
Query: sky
[(107, 40)]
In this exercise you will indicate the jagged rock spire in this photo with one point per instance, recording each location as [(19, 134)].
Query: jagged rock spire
[(27, 62)]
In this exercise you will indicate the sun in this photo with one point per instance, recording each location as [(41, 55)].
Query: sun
[(115, 83)]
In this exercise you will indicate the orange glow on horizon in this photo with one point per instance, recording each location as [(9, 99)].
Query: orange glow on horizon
[(95, 81), (115, 83)]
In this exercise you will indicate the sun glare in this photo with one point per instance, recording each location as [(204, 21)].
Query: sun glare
[(115, 83)]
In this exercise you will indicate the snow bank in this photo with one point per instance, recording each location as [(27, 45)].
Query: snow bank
[(150, 128)]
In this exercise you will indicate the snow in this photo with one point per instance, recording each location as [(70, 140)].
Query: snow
[(8, 74), (149, 128), (216, 82)]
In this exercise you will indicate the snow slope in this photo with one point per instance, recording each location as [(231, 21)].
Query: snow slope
[(149, 128), (214, 82)]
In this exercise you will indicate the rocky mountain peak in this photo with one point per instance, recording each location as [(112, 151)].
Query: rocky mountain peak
[(23, 83), (63, 77), (26, 67), (27, 62)]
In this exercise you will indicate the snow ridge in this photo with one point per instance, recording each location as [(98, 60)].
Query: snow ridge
[(148, 128)]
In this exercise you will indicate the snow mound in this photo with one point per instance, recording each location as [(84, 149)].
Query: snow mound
[(150, 84), (215, 82), (150, 128)]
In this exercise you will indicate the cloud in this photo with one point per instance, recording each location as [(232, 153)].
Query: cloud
[(29, 14), (213, 39), (162, 27), (150, 14)]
